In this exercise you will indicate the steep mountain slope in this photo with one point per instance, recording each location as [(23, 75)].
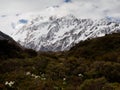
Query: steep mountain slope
[(5, 37), (54, 33), (8, 47), (103, 48)]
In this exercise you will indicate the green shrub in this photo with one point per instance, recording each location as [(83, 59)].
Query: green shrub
[(93, 84)]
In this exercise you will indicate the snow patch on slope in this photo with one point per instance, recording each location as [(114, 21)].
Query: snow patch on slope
[(55, 33)]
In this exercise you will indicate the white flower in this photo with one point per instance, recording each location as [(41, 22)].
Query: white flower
[(33, 75), (6, 83), (64, 79), (10, 84), (37, 77), (80, 75), (28, 73)]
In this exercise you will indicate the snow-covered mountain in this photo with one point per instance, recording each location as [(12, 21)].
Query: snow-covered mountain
[(54, 33), (58, 28)]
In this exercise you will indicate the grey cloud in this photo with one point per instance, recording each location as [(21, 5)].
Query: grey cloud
[(100, 7), (11, 6)]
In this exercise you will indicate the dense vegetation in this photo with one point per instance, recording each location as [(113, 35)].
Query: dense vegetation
[(90, 65), (10, 49)]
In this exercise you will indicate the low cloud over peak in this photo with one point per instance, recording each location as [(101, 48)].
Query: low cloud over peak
[(80, 8), (94, 8)]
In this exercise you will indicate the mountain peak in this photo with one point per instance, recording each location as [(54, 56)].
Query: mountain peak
[(61, 33)]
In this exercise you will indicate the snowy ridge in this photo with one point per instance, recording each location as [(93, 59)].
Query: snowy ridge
[(58, 28), (54, 33)]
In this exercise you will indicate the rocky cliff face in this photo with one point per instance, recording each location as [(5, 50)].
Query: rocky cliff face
[(61, 33)]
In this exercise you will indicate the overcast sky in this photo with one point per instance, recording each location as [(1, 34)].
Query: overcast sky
[(11, 6), (84, 7)]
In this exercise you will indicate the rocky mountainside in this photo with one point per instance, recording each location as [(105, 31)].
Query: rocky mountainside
[(53, 33), (11, 49), (8, 47)]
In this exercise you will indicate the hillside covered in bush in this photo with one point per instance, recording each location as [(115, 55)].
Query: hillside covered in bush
[(93, 64)]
